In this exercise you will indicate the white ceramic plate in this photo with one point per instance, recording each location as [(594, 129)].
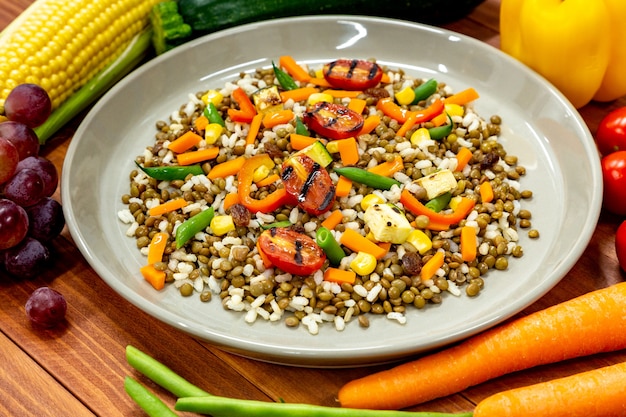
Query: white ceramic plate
[(540, 126)]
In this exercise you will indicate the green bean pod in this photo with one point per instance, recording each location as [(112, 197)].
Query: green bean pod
[(330, 246), (425, 90), (440, 202), (284, 79), (193, 225), (171, 172), (213, 115), (370, 179), (148, 402), (441, 132)]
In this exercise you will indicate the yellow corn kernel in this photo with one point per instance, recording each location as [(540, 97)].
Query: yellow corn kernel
[(220, 225), (370, 200), (61, 45), (317, 97), (420, 135), (405, 96), (212, 133), (332, 146), (420, 241), (363, 264), (454, 109), (213, 96), (260, 173), (454, 202), (319, 73)]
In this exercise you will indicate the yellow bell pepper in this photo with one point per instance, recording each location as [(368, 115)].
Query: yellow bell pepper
[(577, 45)]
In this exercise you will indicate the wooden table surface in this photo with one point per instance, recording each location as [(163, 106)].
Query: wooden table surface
[(78, 369)]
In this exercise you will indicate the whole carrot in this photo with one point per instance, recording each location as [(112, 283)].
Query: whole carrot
[(597, 393), (589, 324)]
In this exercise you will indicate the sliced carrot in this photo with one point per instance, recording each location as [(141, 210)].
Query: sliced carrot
[(184, 142), (577, 395), (486, 192), (292, 68), (333, 220), (468, 243), (276, 118), (298, 94), (385, 79), (230, 200), (462, 97), (370, 123), (408, 124), (430, 268), (269, 180), (320, 82), (388, 168), (227, 168), (357, 105), (168, 206), (359, 243), (342, 93), (255, 126), (156, 249), (299, 142), (339, 275), (440, 120), (189, 158), (463, 157), (348, 151), (201, 123), (343, 187), (590, 324), (155, 277)]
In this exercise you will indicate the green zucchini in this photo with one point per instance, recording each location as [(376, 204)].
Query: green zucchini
[(207, 16)]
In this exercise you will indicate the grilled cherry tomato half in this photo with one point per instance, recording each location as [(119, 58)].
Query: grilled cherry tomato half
[(352, 74), (332, 121), (611, 133), (620, 245), (614, 178), (291, 251), (309, 183)]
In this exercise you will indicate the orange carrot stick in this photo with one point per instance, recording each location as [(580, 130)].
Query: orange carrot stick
[(320, 82), (357, 105), (486, 192), (463, 157), (431, 267), (589, 324), (343, 187), (270, 179), (333, 220), (299, 142), (157, 247), (462, 97), (227, 168), (369, 124), (168, 206), (599, 392), (190, 158), (201, 123), (230, 200), (292, 68), (155, 277), (348, 151), (343, 93), (186, 141), (339, 275), (468, 243), (388, 168), (255, 126), (277, 118), (408, 124), (359, 243), (298, 94)]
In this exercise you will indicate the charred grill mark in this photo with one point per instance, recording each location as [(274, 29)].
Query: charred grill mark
[(286, 174), (308, 183), (297, 257), (353, 65), (329, 198)]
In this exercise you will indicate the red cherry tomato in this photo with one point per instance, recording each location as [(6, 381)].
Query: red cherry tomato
[(614, 178), (620, 245), (332, 121), (352, 74), (291, 251), (309, 184), (611, 133)]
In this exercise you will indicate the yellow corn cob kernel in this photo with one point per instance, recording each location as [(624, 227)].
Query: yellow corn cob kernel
[(370, 200), (405, 96), (363, 264), (60, 45), (260, 173), (420, 135), (213, 96), (317, 97), (332, 146), (454, 109), (420, 241), (220, 225), (212, 133), (454, 202)]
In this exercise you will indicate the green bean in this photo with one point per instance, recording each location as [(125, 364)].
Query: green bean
[(365, 177), (441, 132), (301, 128), (148, 402), (425, 90), (213, 115), (161, 374), (284, 79), (193, 225), (171, 172), (440, 202), (227, 407), (329, 245)]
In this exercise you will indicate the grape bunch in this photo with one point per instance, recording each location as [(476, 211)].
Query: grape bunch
[(29, 217)]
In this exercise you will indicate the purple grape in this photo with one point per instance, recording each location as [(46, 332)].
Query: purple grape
[(27, 259), (28, 104), (22, 137), (9, 158), (46, 220), (13, 224), (46, 307), (46, 170), (26, 187)]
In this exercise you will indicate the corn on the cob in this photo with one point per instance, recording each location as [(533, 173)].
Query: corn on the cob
[(61, 44)]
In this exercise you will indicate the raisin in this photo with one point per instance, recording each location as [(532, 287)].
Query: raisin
[(412, 263), (241, 215)]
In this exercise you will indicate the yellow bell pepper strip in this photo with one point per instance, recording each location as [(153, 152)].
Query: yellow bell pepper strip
[(246, 111), (270, 203), (568, 42), (412, 204)]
